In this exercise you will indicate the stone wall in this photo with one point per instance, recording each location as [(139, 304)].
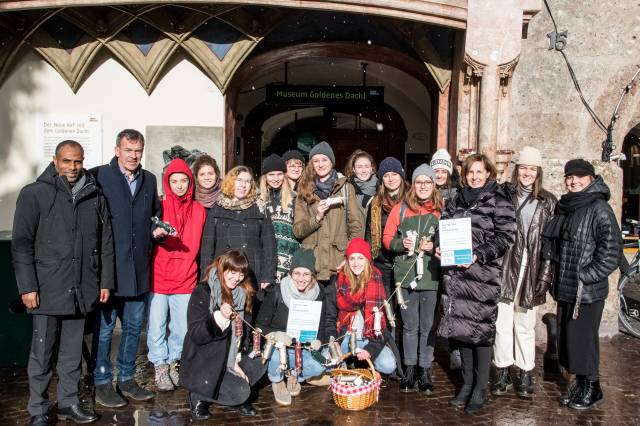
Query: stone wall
[(546, 112)]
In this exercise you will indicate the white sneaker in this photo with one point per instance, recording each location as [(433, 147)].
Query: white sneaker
[(163, 381), (174, 373)]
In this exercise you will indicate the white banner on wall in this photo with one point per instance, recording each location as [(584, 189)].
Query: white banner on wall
[(86, 129)]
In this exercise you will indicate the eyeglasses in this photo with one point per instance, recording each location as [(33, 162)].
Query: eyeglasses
[(248, 182), (423, 183)]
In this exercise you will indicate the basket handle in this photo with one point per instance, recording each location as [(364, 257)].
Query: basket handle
[(373, 370)]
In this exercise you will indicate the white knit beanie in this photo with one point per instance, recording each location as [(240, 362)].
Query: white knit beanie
[(529, 156), (442, 160)]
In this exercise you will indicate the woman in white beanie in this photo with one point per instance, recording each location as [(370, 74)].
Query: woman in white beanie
[(525, 278), (443, 167)]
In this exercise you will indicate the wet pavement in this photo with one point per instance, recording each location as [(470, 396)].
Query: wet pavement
[(620, 378)]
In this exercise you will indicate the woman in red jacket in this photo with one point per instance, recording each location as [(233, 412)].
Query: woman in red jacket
[(174, 273)]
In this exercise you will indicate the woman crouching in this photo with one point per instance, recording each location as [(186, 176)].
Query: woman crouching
[(299, 284), (359, 290), (212, 369)]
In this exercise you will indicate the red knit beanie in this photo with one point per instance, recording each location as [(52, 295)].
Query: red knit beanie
[(358, 245)]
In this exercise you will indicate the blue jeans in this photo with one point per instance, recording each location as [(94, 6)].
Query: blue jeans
[(310, 367), (131, 311), (163, 308), (384, 363)]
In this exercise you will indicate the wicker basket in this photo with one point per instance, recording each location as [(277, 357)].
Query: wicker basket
[(356, 397)]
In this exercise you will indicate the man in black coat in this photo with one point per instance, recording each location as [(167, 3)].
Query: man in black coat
[(584, 242), (133, 199), (62, 251)]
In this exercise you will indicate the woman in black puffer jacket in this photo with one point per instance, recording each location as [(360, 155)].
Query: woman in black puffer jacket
[(472, 291), (583, 241)]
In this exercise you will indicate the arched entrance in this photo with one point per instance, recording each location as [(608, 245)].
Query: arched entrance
[(404, 125)]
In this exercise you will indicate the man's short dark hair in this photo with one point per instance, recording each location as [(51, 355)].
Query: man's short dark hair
[(71, 143), (130, 134)]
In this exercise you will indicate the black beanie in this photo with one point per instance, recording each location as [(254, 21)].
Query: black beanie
[(579, 167), (273, 163), (292, 154)]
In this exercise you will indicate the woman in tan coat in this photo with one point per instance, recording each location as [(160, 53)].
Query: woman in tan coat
[(326, 213)]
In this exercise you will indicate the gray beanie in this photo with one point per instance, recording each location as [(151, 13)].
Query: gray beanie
[(423, 170), (324, 149)]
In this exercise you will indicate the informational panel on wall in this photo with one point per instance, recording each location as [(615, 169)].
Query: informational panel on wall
[(86, 129)]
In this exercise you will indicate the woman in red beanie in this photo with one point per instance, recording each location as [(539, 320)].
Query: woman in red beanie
[(359, 290)]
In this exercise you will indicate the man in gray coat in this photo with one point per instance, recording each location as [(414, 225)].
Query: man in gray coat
[(62, 250)]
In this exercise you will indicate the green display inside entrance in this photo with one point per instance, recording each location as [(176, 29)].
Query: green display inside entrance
[(278, 94)]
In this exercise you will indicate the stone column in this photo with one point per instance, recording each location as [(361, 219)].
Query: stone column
[(488, 118)]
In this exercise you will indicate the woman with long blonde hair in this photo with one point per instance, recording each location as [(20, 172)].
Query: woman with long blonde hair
[(239, 221), (279, 200), (358, 290)]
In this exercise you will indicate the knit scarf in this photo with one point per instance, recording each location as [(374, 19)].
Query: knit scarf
[(75, 189), (289, 291), (365, 189), (567, 216), (239, 299), (349, 304), (207, 197), (324, 189), (235, 204)]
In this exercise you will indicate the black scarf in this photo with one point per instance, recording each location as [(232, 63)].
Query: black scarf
[(568, 214), (470, 195), (323, 189)]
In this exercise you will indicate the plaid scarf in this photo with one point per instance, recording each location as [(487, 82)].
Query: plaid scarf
[(349, 304)]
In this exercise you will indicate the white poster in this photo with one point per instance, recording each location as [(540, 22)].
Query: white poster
[(304, 319), (86, 129), (456, 244)]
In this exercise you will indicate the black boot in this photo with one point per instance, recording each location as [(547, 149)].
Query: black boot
[(107, 396), (199, 409), (590, 396), (425, 384), (245, 409), (408, 384), (572, 391), (476, 402), (461, 398), (43, 420), (503, 382), (131, 389), (525, 384), (77, 414)]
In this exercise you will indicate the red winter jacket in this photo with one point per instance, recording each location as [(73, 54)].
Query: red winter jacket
[(175, 270)]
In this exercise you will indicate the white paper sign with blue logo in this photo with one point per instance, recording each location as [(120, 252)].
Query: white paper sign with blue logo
[(304, 319), (456, 244)]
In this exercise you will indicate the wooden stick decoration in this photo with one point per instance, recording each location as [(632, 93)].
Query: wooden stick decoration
[(401, 302), (377, 321), (352, 341), (389, 313), (334, 348), (239, 329), (268, 350), (284, 363), (298, 358), (256, 343)]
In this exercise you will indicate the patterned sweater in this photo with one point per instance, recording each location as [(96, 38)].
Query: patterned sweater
[(286, 242)]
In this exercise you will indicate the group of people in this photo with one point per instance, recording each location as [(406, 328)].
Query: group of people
[(215, 274)]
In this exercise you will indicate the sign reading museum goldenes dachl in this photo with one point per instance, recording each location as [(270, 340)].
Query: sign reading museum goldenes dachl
[(279, 94)]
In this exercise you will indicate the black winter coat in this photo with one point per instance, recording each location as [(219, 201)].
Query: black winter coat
[(62, 248), (591, 254), (204, 353), (538, 272), (131, 221), (471, 295), (274, 314), (249, 230)]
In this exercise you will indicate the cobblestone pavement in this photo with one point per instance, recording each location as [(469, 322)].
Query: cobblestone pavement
[(620, 375)]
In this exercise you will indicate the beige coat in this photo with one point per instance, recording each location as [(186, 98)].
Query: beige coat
[(329, 238)]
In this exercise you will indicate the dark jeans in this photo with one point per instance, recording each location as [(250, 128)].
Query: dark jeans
[(579, 348), (476, 362), (418, 333), (131, 311), (47, 330), (234, 390)]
